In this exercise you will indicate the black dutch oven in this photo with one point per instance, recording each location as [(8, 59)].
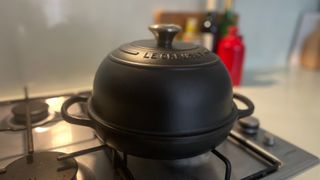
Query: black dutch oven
[(161, 99)]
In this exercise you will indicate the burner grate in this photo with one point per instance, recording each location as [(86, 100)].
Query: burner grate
[(42, 165), (120, 163), (68, 167), (226, 162), (245, 156), (274, 162)]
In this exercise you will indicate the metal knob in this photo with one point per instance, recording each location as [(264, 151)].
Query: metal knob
[(164, 33), (249, 125), (269, 139)]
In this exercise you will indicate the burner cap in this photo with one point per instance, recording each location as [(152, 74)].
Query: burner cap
[(44, 166), (38, 111)]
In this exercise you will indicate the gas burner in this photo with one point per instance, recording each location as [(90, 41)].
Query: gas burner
[(38, 112), (10, 122), (43, 165)]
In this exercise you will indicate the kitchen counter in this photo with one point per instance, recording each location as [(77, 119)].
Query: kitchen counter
[(288, 104)]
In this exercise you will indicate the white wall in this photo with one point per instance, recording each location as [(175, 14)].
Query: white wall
[(268, 27), (56, 45), (10, 77)]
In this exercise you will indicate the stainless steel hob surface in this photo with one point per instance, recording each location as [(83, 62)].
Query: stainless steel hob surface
[(283, 159)]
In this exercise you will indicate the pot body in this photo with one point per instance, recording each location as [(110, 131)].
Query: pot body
[(162, 113), (166, 101), (155, 146), (161, 147)]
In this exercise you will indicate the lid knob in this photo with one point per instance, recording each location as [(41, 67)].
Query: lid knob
[(164, 33)]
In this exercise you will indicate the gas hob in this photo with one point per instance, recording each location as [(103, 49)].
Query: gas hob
[(59, 150)]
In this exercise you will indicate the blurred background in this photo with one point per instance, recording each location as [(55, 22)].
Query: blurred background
[(270, 47), (57, 45)]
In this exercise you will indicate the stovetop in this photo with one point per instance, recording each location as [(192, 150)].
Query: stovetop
[(251, 155)]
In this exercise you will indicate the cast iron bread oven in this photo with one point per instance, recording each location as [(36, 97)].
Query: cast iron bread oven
[(161, 99)]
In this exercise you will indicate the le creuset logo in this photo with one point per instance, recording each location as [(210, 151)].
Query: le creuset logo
[(174, 56)]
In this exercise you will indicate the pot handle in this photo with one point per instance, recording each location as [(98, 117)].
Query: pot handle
[(74, 119), (244, 112)]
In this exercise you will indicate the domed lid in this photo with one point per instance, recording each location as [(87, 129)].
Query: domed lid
[(163, 51)]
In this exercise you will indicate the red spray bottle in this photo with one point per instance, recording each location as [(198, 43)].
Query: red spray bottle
[(231, 51)]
